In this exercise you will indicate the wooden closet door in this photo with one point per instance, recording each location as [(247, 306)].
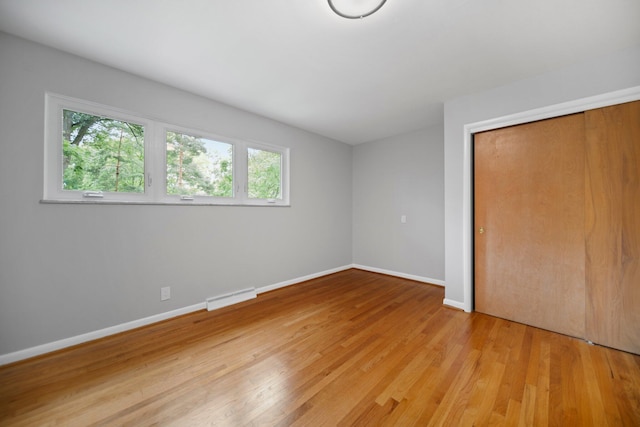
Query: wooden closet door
[(613, 226), (529, 224)]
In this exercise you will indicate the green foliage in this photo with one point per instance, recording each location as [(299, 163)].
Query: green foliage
[(264, 174), (102, 154), (198, 166)]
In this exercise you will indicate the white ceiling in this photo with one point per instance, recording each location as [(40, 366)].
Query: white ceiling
[(351, 80)]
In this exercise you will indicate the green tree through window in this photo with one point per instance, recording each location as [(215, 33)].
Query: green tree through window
[(99, 154), (102, 154), (265, 174), (198, 166)]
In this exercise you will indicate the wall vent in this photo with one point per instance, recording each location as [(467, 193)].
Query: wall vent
[(231, 298)]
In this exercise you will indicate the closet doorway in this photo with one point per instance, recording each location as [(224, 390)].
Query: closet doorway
[(557, 224)]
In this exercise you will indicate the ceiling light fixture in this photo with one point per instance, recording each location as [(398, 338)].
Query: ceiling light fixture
[(355, 9)]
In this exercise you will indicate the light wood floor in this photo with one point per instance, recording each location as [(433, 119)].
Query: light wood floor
[(353, 348)]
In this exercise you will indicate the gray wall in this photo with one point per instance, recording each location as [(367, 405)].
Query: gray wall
[(67, 270), (394, 177), (599, 76)]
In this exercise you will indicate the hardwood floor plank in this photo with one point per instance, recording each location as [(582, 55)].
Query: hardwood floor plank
[(351, 349), (542, 385), (527, 409)]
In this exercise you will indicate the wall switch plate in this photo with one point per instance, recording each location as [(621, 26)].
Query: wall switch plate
[(165, 293), (403, 219)]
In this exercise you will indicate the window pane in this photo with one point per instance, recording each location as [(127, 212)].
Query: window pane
[(265, 171), (198, 166), (101, 154)]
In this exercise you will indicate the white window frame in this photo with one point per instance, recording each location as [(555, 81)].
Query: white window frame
[(54, 105), (192, 198), (284, 173), (154, 162)]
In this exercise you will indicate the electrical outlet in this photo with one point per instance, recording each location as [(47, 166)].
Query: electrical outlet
[(165, 293)]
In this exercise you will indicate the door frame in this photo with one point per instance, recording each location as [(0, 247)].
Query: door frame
[(556, 110)]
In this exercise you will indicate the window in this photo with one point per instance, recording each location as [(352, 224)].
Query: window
[(101, 154), (198, 166), (265, 174)]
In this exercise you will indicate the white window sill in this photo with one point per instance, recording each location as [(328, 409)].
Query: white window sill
[(121, 202)]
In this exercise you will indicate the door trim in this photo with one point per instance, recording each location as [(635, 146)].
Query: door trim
[(556, 110)]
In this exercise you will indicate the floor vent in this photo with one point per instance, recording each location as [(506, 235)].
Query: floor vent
[(230, 298)]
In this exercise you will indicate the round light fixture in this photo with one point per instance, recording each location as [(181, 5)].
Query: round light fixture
[(355, 9)]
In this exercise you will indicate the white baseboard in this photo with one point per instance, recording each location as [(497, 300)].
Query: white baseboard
[(90, 336), (454, 304), (402, 275), (301, 279)]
